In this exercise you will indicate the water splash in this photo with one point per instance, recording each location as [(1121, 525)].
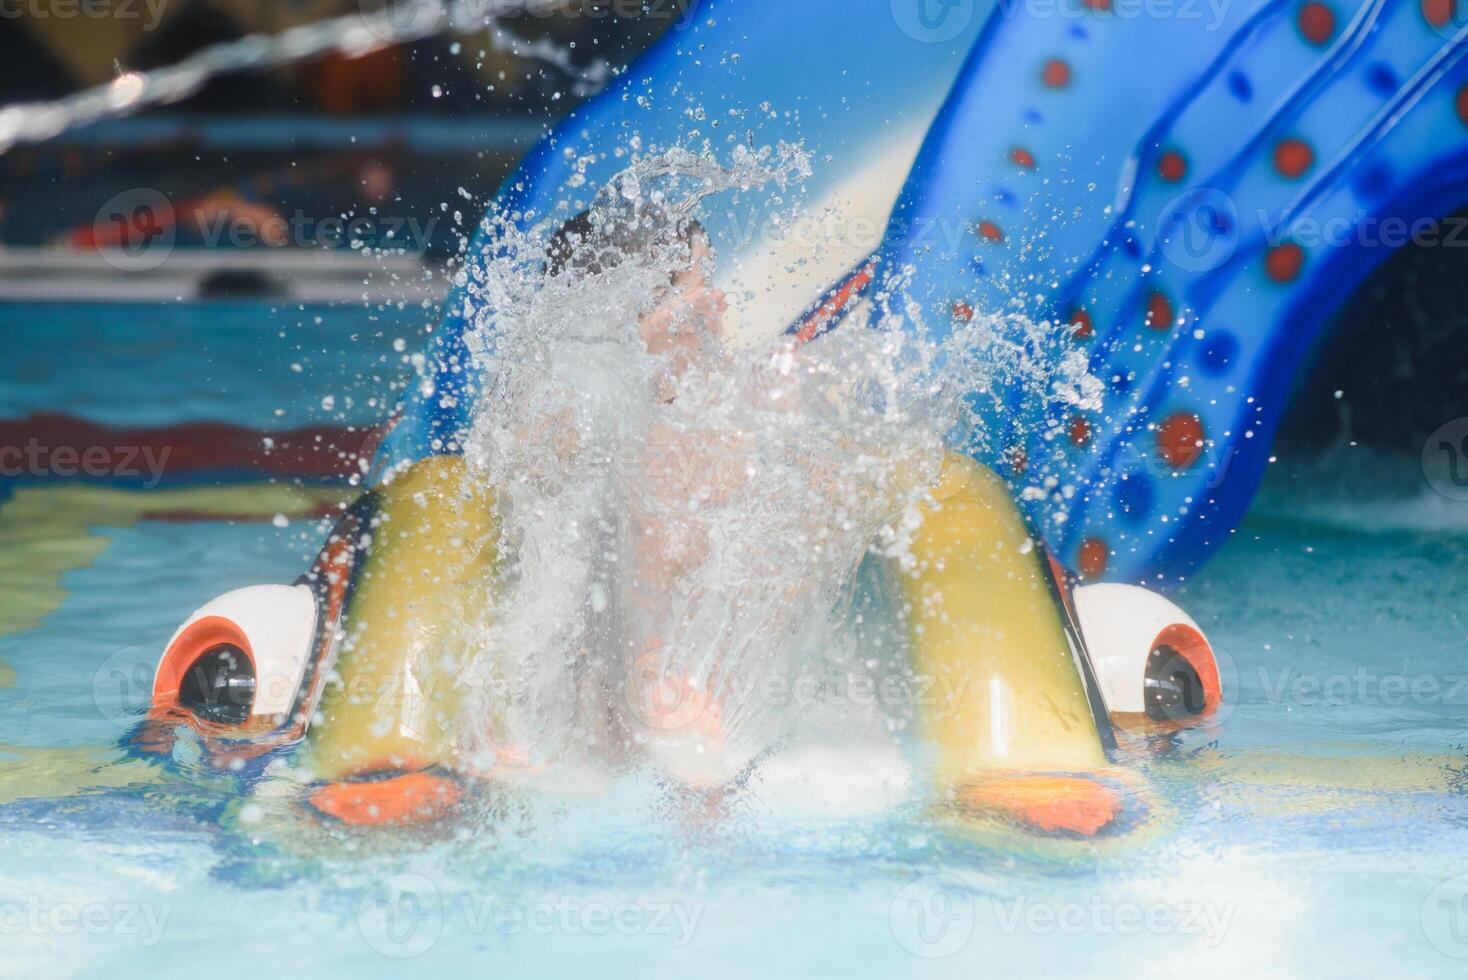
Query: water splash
[(686, 521), (352, 35)]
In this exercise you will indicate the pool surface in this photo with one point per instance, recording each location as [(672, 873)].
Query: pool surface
[(1317, 826)]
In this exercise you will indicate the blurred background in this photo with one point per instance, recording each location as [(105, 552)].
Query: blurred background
[(344, 179), (333, 155)]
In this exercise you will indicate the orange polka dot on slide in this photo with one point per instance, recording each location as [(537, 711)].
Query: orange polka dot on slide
[(1316, 22), (1160, 315), (1284, 262), (1293, 157), (1056, 73), (1180, 439), (1438, 13), (1172, 167), (1081, 326)]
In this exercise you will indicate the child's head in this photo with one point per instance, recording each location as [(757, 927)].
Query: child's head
[(684, 314)]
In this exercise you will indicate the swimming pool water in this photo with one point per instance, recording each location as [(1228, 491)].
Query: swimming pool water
[(1318, 827)]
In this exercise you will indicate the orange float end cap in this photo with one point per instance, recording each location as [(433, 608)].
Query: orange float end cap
[(1047, 803), (415, 797)]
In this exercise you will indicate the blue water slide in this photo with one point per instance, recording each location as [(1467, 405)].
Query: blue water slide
[(1184, 190), (854, 84), (1187, 192)]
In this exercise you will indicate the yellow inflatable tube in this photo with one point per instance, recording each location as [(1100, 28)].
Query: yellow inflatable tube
[(379, 665), (388, 714), (985, 619), (980, 607)]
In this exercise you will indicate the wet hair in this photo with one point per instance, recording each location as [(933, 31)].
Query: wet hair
[(597, 245)]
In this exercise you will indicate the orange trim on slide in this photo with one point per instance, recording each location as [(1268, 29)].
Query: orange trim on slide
[(196, 640), (834, 304), (413, 797), (338, 563), (1195, 650), (1046, 802)]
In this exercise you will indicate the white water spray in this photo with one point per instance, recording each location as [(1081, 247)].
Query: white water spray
[(685, 522)]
